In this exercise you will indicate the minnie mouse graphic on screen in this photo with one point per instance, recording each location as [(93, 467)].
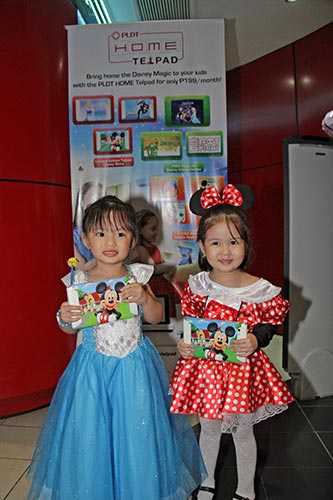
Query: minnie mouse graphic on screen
[(229, 397)]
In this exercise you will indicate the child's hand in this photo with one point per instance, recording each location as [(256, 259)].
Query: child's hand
[(245, 347), (185, 350), (70, 313), (151, 307), (134, 292)]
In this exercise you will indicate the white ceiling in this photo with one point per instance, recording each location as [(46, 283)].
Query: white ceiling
[(254, 28)]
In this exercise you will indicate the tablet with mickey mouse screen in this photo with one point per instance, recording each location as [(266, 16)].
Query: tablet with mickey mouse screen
[(101, 302), (212, 338)]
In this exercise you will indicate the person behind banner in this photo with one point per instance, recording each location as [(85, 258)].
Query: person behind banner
[(229, 397), (108, 434), (147, 252), (87, 194)]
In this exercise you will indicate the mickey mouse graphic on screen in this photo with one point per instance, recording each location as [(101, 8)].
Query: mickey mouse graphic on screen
[(219, 340), (109, 301)]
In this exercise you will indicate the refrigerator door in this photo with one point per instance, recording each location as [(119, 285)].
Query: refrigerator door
[(308, 215)]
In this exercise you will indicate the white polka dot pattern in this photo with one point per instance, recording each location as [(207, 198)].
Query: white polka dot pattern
[(215, 389)]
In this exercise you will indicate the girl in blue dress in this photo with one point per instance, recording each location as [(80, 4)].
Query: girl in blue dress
[(108, 434)]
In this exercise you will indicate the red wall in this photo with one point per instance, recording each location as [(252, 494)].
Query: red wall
[(35, 199), (285, 93)]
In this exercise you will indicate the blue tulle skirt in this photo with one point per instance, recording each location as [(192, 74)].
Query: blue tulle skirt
[(108, 434)]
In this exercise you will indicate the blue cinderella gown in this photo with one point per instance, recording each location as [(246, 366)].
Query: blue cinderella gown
[(108, 434)]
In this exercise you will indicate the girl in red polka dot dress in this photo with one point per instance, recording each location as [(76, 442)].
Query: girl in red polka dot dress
[(229, 397)]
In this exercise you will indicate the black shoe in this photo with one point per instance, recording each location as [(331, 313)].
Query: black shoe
[(238, 497), (207, 488)]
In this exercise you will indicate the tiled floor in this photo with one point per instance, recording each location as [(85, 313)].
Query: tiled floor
[(295, 454), (18, 436)]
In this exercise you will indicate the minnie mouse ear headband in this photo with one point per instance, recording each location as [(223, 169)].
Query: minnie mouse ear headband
[(239, 195)]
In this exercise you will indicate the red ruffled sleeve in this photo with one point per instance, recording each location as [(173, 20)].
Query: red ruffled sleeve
[(275, 310), (192, 304)]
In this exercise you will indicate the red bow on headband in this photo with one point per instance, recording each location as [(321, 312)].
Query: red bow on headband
[(230, 196)]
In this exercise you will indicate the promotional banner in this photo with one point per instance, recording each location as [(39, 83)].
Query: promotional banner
[(147, 114)]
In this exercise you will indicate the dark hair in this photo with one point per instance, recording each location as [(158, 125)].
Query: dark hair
[(142, 218), (99, 213), (231, 215)]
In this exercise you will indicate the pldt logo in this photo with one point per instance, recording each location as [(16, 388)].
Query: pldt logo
[(146, 48)]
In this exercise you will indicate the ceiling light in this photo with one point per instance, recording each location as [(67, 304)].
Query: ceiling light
[(100, 11)]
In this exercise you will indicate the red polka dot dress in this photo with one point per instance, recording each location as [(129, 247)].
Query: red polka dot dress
[(235, 393)]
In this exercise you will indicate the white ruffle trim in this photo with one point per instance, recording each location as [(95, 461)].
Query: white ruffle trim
[(260, 291), (230, 422), (141, 272)]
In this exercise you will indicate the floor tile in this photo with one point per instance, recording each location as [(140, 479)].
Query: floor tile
[(17, 442), (11, 471), (291, 450), (20, 490), (30, 419), (318, 402), (320, 417), (289, 420), (327, 438), (227, 483), (297, 483), (227, 451)]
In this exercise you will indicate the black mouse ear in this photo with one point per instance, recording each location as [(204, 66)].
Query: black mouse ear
[(119, 286), (195, 203), (248, 196), (101, 287), (212, 327), (230, 331)]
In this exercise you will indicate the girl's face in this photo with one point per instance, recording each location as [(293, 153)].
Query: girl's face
[(149, 232), (109, 245), (223, 248)]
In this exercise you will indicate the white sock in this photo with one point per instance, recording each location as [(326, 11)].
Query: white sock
[(210, 436), (246, 458)]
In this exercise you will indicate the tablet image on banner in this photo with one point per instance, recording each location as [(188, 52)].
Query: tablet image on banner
[(92, 109), (135, 109), (188, 111)]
